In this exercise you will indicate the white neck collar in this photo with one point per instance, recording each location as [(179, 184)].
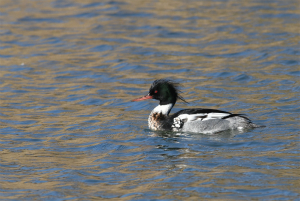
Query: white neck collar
[(164, 109)]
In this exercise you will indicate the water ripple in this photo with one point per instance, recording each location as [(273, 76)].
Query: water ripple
[(68, 73)]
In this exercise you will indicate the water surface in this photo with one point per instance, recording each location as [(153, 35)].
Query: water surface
[(69, 70)]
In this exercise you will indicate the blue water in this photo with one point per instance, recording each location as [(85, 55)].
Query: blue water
[(68, 73)]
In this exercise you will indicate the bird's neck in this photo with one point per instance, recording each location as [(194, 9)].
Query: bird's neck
[(163, 109)]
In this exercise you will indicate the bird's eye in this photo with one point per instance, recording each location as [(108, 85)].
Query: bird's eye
[(155, 91)]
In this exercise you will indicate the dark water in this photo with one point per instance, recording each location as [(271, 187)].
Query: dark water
[(69, 69)]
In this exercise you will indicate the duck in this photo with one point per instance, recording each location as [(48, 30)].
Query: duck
[(196, 120)]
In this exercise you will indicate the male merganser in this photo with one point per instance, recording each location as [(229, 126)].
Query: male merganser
[(198, 120)]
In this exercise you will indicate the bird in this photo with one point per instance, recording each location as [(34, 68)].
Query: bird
[(197, 120)]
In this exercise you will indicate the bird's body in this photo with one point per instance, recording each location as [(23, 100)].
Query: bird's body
[(196, 120)]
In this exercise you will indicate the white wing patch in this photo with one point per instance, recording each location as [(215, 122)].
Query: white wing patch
[(202, 116), (215, 116)]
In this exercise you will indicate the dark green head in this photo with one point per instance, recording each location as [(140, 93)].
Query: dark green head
[(165, 91)]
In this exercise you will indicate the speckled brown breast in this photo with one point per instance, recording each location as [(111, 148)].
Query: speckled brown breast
[(155, 121)]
